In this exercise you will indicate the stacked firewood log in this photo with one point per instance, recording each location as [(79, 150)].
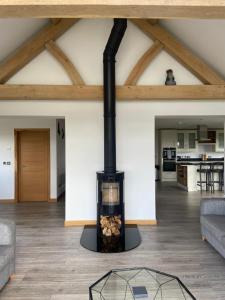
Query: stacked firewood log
[(110, 225)]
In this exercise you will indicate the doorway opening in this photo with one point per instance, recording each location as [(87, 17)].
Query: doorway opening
[(32, 161), (60, 149), (32, 152), (189, 161)]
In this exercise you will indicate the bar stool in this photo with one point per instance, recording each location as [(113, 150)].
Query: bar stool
[(221, 174), (219, 169), (204, 176), (211, 178), (216, 168)]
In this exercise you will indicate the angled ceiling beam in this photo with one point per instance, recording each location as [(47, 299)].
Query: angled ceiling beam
[(92, 93), (175, 48), (61, 57), (32, 47), (143, 63), (207, 9), (55, 20)]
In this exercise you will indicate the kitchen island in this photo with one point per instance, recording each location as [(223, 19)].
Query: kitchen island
[(188, 173)]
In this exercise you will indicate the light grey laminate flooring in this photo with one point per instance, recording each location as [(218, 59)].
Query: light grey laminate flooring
[(51, 264)]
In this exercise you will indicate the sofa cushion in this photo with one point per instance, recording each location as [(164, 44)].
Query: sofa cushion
[(215, 224), (4, 260), (7, 232), (223, 241), (7, 251)]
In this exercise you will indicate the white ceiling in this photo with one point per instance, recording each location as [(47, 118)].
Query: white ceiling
[(181, 122), (13, 32), (205, 37)]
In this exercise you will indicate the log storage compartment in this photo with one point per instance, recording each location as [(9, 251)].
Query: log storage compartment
[(110, 216)]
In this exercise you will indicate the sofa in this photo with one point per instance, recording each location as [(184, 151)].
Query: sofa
[(7, 250), (212, 220)]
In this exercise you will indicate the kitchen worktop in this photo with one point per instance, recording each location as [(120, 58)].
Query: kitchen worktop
[(188, 175), (197, 161), (187, 163)]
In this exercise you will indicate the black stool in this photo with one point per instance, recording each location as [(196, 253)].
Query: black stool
[(216, 168), (219, 168), (204, 169)]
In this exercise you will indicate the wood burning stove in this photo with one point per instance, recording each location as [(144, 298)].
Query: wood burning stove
[(110, 206), (110, 233)]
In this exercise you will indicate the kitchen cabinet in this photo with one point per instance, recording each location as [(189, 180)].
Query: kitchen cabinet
[(210, 139), (187, 177), (192, 143), (182, 175), (168, 139), (212, 136), (186, 140), (180, 140), (219, 141)]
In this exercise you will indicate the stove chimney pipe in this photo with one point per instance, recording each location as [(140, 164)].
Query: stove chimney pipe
[(109, 55)]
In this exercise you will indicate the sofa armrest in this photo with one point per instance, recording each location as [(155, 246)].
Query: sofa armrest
[(7, 233), (212, 206)]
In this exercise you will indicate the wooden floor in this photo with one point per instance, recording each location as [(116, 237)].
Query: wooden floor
[(51, 264)]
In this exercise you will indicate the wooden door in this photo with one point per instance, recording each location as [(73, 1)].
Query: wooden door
[(33, 165)]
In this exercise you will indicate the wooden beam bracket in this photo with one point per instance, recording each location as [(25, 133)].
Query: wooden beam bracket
[(32, 47), (61, 57), (143, 63), (175, 48)]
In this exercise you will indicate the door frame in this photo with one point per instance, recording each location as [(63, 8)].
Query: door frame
[(16, 168)]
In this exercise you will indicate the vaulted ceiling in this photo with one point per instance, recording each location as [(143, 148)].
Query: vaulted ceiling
[(197, 46), (206, 38)]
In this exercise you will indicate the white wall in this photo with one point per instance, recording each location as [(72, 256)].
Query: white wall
[(84, 120), (135, 144), (7, 152)]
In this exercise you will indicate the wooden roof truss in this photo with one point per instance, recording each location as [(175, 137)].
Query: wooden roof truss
[(213, 86)]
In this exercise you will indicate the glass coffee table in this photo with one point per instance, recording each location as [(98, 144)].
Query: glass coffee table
[(139, 283)]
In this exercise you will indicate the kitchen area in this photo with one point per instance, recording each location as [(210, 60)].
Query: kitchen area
[(189, 152)]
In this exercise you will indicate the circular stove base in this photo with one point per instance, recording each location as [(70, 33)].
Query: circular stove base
[(92, 242)]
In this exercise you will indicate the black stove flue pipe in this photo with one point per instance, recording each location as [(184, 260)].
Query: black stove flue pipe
[(109, 55)]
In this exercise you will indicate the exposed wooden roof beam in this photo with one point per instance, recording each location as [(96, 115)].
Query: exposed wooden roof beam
[(211, 9), (32, 47), (55, 20), (143, 63), (61, 57), (92, 93), (175, 48)]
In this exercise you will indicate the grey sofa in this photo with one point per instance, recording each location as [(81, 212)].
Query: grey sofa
[(213, 222), (7, 250)]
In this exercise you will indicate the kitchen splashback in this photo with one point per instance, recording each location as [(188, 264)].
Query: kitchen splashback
[(201, 149)]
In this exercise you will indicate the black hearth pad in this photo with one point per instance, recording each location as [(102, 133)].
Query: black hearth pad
[(91, 241)]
